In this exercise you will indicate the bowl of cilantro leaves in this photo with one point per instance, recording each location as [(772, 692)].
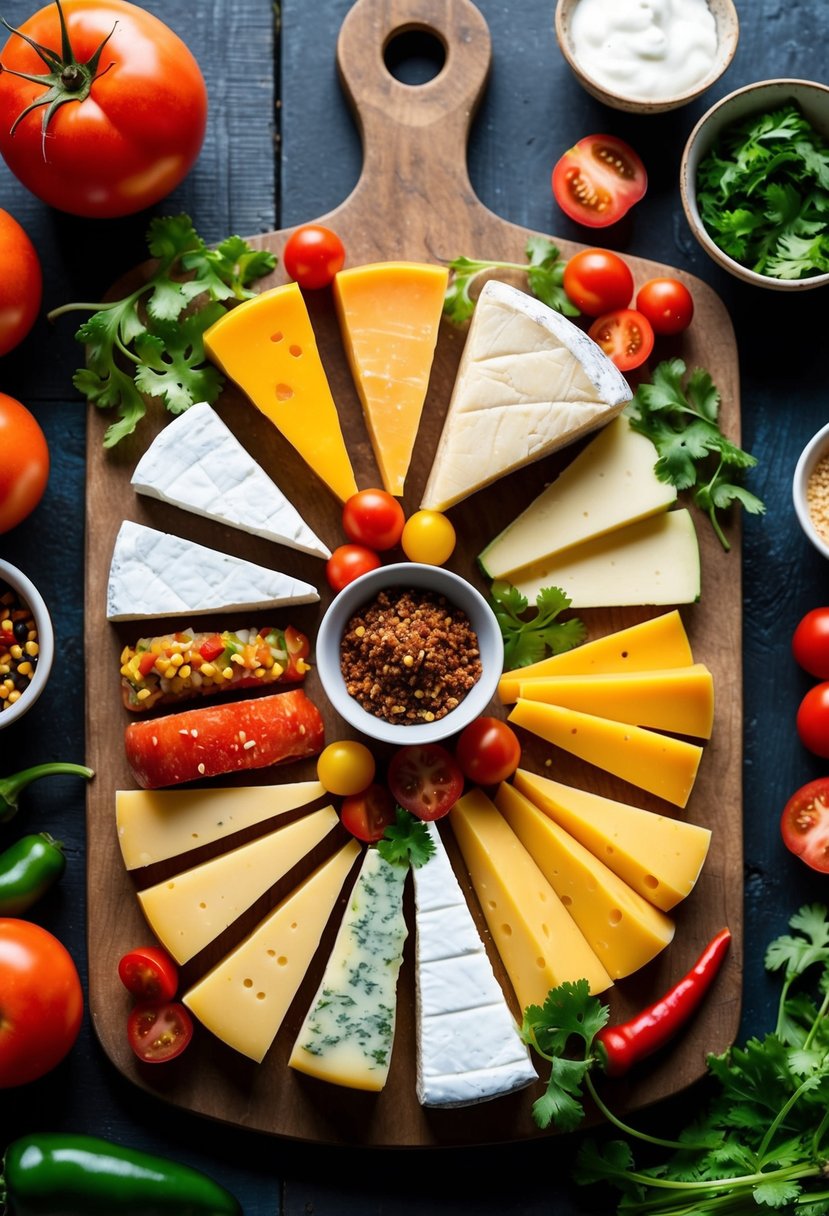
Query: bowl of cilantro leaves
[(754, 182)]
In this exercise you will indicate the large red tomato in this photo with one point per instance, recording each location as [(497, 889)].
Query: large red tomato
[(132, 123), (24, 462), (41, 1002), (21, 283)]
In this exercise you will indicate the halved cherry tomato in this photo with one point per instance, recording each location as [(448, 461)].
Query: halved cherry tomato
[(598, 281), (668, 305), (598, 181), (425, 779), (813, 720), (805, 824), (488, 751), (313, 255), (149, 974), (158, 1033), (347, 563), (810, 643), (345, 767), (373, 518), (367, 815), (625, 336)]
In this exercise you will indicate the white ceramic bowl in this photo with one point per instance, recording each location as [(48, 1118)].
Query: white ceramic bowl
[(728, 32), (760, 97), (458, 592), (815, 450), (25, 589)]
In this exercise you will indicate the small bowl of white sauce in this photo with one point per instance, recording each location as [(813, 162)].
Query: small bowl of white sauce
[(646, 56)]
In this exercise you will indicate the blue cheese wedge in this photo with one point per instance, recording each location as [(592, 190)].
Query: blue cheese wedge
[(155, 574), (348, 1033), (468, 1046), (529, 382), (196, 463)]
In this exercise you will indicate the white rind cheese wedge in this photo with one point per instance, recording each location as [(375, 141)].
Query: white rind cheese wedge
[(196, 463), (155, 574), (529, 382), (468, 1046)]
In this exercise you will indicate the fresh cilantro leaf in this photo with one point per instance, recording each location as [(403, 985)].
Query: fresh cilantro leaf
[(406, 841), (569, 1012), (526, 641), (545, 276)]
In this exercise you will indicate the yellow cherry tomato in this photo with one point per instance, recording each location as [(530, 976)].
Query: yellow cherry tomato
[(428, 537), (345, 767)]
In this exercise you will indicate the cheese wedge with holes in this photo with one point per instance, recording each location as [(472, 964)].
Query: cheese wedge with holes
[(539, 942), (529, 382), (244, 998), (658, 763), (153, 825), (267, 346), (659, 642), (186, 912), (389, 314), (656, 855), (621, 927)]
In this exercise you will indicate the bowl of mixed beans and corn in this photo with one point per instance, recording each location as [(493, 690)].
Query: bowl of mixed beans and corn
[(26, 644)]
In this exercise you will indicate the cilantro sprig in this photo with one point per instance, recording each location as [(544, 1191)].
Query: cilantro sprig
[(568, 1013), (406, 841), (527, 639), (681, 420), (150, 343), (545, 276)]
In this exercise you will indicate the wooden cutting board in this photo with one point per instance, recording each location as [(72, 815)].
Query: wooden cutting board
[(413, 201)]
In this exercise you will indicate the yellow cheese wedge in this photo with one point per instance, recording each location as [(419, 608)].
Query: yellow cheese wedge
[(267, 346), (623, 929), (244, 998), (186, 912), (659, 857), (389, 314), (659, 642), (539, 942), (156, 824), (676, 699), (658, 763)]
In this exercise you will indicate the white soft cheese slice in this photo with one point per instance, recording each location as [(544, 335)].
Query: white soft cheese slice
[(468, 1046), (155, 574), (198, 464), (529, 382)]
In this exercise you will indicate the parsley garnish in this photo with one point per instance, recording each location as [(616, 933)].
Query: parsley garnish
[(694, 454), (526, 641), (406, 841), (545, 275), (142, 346)]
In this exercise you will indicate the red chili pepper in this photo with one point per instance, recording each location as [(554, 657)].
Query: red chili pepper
[(620, 1047)]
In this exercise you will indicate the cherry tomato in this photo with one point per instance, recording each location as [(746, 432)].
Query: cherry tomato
[(21, 283), (24, 462), (313, 255), (345, 767), (813, 720), (668, 305), (41, 1002), (149, 974), (805, 824), (158, 1033), (425, 779), (488, 751), (625, 336), (132, 130), (599, 180), (598, 281), (367, 815), (428, 537), (373, 518), (810, 643), (347, 563)]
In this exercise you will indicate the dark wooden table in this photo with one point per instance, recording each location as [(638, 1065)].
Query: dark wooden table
[(281, 148)]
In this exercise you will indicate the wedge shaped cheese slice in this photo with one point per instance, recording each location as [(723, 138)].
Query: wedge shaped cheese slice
[(659, 642), (623, 929), (609, 484), (348, 1033), (389, 315), (654, 561), (156, 574), (244, 998), (197, 463), (657, 763), (267, 346), (186, 912), (468, 1046), (539, 942), (529, 382), (153, 825), (657, 856)]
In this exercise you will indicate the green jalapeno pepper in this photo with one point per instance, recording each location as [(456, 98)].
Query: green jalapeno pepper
[(28, 868), (11, 787)]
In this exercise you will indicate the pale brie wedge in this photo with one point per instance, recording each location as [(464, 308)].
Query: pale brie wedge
[(198, 464), (529, 382), (155, 574)]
